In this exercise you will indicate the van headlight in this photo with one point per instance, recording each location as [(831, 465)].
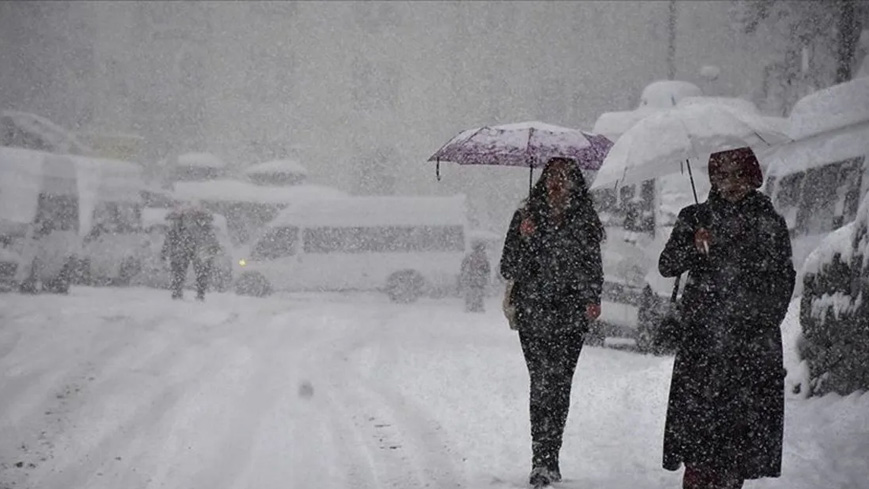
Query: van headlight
[(242, 262)]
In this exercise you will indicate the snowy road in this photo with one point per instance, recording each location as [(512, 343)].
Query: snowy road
[(125, 388)]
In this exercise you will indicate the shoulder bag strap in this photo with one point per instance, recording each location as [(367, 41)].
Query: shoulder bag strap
[(675, 290)]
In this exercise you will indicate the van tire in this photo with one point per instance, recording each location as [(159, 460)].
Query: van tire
[(253, 284), (405, 286)]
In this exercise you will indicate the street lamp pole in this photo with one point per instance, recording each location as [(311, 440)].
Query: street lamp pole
[(671, 40)]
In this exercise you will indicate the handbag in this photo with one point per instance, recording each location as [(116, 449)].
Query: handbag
[(668, 334), (508, 307)]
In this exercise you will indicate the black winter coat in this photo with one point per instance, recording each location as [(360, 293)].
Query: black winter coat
[(726, 405), (557, 270)]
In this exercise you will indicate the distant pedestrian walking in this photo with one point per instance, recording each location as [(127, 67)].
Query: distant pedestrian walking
[(191, 239), (474, 278)]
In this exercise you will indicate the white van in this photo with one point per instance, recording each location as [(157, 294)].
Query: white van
[(39, 220), (817, 181), (404, 246)]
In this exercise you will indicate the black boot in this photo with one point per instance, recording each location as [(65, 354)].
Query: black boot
[(554, 469), (540, 477)]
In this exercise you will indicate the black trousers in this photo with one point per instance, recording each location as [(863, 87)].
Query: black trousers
[(202, 269), (551, 360)]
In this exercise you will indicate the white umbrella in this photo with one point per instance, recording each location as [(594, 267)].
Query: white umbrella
[(665, 142)]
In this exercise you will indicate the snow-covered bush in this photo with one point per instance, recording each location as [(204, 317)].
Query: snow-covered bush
[(833, 314)]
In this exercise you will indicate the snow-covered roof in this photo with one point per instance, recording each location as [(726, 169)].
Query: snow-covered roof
[(376, 211), (664, 94), (200, 160), (109, 179), (733, 102), (277, 166), (830, 109), (60, 139), (229, 190), (822, 149)]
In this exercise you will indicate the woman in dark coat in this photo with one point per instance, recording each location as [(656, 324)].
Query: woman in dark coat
[(725, 415), (552, 255)]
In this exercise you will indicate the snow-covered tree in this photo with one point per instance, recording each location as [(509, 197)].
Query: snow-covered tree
[(821, 38)]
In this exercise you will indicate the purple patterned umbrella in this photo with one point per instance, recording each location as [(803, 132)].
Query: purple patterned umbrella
[(528, 144)]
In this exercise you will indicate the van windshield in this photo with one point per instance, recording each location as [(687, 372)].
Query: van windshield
[(276, 243)]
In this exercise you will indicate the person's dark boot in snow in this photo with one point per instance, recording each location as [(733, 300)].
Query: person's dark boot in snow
[(541, 477)]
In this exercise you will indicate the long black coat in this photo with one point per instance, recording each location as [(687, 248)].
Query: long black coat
[(556, 270), (726, 406)]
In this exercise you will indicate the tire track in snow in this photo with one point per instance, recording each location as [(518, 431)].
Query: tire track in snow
[(400, 440), (117, 359)]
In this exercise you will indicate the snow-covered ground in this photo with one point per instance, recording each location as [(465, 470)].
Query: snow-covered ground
[(123, 388)]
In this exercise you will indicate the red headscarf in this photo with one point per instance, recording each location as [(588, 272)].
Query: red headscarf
[(744, 158)]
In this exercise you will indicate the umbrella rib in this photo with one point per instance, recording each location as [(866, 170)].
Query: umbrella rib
[(761, 138), (448, 142)]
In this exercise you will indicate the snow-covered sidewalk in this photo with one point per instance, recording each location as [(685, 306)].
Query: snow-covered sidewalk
[(110, 388)]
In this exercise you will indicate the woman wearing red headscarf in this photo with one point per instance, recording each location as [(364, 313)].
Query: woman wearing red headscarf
[(725, 415)]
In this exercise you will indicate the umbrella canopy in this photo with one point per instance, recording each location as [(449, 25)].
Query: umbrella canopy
[(527, 144), (662, 142)]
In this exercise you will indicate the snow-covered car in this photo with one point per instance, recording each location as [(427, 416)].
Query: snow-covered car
[(155, 272)]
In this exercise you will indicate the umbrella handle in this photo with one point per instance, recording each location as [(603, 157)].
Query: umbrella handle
[(530, 177), (438, 169)]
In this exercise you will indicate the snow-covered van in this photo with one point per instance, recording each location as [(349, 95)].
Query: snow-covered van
[(817, 181), (68, 218), (39, 220), (404, 246), (110, 196)]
